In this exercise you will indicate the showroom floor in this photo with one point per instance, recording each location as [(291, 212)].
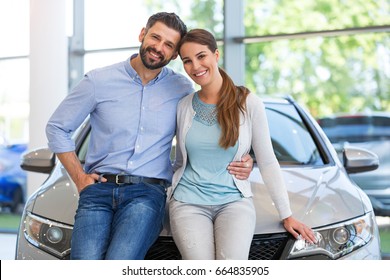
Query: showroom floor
[(7, 246)]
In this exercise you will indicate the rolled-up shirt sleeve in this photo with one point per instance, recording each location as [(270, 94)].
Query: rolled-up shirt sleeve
[(69, 115)]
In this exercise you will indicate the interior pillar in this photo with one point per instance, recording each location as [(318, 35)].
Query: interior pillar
[(48, 71)]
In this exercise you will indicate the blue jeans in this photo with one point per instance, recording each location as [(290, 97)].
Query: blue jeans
[(117, 222)]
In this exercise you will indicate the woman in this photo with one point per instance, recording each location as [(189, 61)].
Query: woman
[(212, 213)]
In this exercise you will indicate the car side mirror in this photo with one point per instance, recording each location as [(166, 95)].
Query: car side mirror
[(40, 160), (358, 160)]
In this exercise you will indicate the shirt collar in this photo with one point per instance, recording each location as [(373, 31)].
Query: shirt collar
[(134, 75)]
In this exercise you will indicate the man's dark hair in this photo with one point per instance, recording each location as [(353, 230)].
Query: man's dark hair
[(169, 19)]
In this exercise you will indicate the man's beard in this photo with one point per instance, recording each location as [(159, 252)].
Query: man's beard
[(154, 64)]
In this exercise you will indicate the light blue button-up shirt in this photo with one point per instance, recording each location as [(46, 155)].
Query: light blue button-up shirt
[(132, 124)]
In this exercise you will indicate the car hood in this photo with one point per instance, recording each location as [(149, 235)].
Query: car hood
[(318, 197)]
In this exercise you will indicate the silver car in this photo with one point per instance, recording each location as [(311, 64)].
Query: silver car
[(320, 190), (370, 131)]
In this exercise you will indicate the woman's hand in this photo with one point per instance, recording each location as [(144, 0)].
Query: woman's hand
[(296, 228), (241, 169)]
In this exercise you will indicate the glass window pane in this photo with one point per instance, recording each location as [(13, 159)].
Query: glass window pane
[(14, 28), (104, 58), (14, 99), (275, 17), (335, 74), (117, 23), (293, 145)]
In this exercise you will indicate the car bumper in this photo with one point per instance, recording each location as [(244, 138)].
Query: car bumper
[(261, 249)]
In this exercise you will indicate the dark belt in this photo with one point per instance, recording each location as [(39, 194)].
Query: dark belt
[(120, 179)]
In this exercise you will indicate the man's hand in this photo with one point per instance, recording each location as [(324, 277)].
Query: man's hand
[(83, 180), (241, 169), (76, 172)]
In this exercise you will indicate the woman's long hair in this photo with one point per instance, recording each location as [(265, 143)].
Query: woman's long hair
[(231, 97)]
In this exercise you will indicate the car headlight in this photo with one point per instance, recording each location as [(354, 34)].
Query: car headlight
[(50, 236), (337, 240)]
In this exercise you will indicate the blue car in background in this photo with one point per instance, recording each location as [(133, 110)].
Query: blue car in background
[(12, 177)]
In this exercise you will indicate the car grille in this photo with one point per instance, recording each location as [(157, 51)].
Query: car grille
[(263, 247), (267, 247)]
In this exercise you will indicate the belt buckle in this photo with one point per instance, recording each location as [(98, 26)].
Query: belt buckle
[(117, 179)]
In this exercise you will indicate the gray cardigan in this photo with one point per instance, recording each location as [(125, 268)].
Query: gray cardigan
[(254, 132)]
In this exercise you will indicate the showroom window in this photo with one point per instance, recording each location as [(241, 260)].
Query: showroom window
[(112, 27), (268, 17), (327, 74), (14, 71), (14, 101), (332, 56)]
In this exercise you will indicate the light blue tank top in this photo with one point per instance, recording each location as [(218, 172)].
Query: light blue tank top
[(206, 179)]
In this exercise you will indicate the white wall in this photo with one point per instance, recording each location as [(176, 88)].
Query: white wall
[(48, 71)]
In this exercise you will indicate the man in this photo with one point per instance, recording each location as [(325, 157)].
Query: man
[(132, 108)]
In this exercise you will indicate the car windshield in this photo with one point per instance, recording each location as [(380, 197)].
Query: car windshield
[(291, 140), (355, 129)]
